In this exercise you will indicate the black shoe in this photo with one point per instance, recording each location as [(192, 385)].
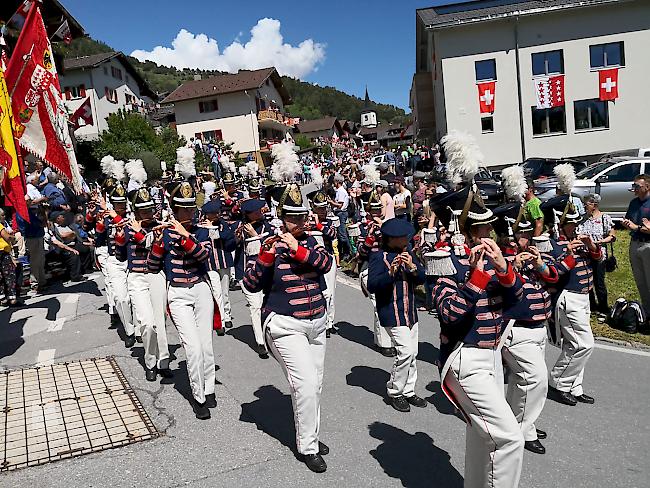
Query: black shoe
[(585, 399), (562, 396), (115, 320), (234, 287), (315, 462), (200, 410), (129, 341), (166, 373), (211, 400), (262, 352), (328, 333), (400, 404), (334, 330), (228, 324), (138, 339), (150, 374), (323, 450), (221, 331), (389, 352), (416, 401), (79, 279), (535, 446), (540, 434)]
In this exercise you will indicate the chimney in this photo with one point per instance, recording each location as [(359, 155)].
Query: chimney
[(197, 77)]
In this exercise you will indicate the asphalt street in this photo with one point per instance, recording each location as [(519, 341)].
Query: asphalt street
[(249, 440)]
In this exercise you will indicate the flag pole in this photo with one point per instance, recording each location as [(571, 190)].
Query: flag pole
[(26, 59)]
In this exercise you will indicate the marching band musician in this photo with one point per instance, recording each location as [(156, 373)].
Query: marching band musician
[(146, 290), (574, 254), (323, 225), (223, 243), (251, 233), (290, 271), (368, 244), (183, 257), (524, 347), (470, 306), (393, 274)]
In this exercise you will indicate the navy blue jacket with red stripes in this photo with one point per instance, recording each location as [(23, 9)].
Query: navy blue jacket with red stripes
[(221, 247), (184, 260)]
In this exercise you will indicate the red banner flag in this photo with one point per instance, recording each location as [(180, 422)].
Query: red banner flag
[(40, 116), (549, 91), (608, 84), (85, 113), (486, 95)]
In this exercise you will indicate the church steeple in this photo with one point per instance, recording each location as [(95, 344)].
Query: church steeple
[(366, 102), (368, 115)]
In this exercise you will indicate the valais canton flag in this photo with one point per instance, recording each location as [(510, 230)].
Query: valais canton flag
[(549, 91)]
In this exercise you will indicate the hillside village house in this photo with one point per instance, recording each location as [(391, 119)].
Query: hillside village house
[(326, 128), (111, 83), (585, 60), (246, 109)]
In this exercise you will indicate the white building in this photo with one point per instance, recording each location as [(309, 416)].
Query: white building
[(513, 43), (245, 108), (368, 115), (111, 83)]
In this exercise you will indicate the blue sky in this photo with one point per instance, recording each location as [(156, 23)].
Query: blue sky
[(354, 43)]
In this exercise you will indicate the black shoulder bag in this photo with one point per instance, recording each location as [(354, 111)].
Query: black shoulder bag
[(610, 260)]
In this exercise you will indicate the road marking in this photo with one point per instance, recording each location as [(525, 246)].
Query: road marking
[(626, 350), (56, 325), (346, 280), (45, 357)]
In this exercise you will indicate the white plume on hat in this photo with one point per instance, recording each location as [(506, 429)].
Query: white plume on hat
[(227, 164), (464, 157), (243, 171), (185, 159), (253, 169), (286, 164), (163, 166), (514, 182), (566, 177), (371, 175), (137, 174), (317, 176), (112, 167)]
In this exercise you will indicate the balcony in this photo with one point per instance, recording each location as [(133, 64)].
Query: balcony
[(272, 119)]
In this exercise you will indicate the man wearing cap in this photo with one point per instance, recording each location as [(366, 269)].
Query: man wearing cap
[(393, 274), (146, 290), (574, 254), (219, 233), (252, 231), (290, 271), (178, 251)]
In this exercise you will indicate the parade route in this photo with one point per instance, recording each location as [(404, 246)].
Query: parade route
[(249, 439)]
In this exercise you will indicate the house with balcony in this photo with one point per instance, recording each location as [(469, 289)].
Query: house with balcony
[(110, 82), (325, 128), (245, 109)]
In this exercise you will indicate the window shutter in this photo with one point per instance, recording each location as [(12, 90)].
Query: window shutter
[(68, 94), (201, 107), (218, 135), (215, 105), (106, 93), (82, 91)]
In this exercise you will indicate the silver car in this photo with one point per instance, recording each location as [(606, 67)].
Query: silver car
[(612, 179)]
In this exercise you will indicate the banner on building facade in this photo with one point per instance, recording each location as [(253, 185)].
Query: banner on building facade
[(486, 96), (85, 113), (608, 84), (549, 91)]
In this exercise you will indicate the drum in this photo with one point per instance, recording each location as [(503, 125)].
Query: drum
[(354, 230), (428, 258), (318, 235), (429, 235), (252, 246), (334, 220), (213, 231)]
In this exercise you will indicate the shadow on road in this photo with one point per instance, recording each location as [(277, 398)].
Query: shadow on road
[(356, 333), (373, 380), (244, 333), (272, 413), (413, 458), (12, 337), (428, 353), (440, 401)]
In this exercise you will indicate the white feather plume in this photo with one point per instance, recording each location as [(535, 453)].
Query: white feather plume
[(163, 166), (135, 170), (185, 159), (514, 182), (286, 164), (112, 167), (118, 170), (227, 164), (317, 176), (464, 157), (371, 175), (566, 177), (243, 171), (253, 169)]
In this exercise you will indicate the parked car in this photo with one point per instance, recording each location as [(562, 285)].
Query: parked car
[(643, 152), (490, 188), (542, 168), (612, 179)]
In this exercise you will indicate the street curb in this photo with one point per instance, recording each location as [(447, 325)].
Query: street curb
[(626, 344)]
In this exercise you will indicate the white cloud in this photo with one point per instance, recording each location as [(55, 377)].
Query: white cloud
[(265, 47)]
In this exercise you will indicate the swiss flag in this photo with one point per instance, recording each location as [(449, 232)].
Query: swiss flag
[(608, 84), (486, 94), (85, 113)]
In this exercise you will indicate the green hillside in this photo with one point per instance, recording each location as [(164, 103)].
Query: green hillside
[(309, 101)]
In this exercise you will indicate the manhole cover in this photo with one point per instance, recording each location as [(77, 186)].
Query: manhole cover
[(56, 412)]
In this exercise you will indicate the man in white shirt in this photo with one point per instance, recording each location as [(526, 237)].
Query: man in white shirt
[(387, 205), (340, 207)]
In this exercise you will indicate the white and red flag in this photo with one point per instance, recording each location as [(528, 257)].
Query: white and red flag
[(85, 113), (63, 32), (40, 116), (608, 84), (486, 95), (549, 91)]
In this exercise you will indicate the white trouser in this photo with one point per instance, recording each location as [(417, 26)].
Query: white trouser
[(494, 445), (255, 307), (299, 347), (101, 254), (117, 278), (328, 294), (523, 354), (382, 338), (191, 309), (405, 372), (572, 315), (149, 300), (220, 280)]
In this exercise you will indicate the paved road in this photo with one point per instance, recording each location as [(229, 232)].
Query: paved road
[(248, 442)]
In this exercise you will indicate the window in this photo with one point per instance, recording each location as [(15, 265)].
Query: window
[(623, 173), (591, 114), (212, 135), (548, 63), (606, 55), (105, 70), (116, 72), (74, 92), (486, 70), (487, 124), (209, 106), (549, 121), (111, 94)]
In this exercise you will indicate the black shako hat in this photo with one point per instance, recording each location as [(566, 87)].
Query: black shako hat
[(560, 209), (141, 199), (289, 200), (510, 220), (181, 194), (465, 204)]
